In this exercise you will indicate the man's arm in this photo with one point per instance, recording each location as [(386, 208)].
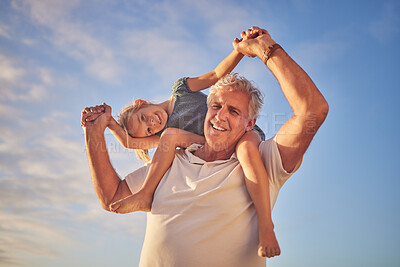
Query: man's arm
[(108, 186), (309, 106)]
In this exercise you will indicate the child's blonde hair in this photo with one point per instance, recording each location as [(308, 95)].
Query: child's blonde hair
[(142, 154)]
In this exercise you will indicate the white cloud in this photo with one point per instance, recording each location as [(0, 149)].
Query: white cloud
[(35, 93), (45, 76), (9, 73), (4, 31), (164, 55), (22, 235), (22, 82), (72, 37), (28, 41)]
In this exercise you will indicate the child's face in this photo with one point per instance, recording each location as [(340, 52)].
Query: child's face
[(147, 121)]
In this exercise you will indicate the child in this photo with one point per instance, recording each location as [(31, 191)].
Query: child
[(183, 116)]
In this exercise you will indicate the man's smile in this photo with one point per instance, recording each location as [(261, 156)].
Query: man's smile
[(218, 128)]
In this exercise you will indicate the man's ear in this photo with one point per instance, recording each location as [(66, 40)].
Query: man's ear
[(250, 124)]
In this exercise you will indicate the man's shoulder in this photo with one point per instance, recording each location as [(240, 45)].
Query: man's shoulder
[(268, 146)]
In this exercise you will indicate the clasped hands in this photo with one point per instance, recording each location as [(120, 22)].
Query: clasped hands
[(97, 116), (254, 42)]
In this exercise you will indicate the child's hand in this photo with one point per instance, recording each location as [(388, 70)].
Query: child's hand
[(251, 33), (90, 114), (254, 46)]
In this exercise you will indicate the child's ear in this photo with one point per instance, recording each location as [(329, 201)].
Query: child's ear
[(250, 124)]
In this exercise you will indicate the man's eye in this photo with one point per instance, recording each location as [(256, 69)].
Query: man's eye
[(235, 112), (215, 106), (142, 117)]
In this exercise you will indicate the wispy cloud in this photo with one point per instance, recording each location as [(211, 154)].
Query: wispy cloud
[(45, 189), (13, 77), (22, 234), (169, 47), (155, 45), (72, 37), (5, 31), (9, 73)]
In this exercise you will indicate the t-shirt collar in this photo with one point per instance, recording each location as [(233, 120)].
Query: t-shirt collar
[(196, 160)]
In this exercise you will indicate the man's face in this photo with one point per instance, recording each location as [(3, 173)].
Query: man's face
[(227, 120)]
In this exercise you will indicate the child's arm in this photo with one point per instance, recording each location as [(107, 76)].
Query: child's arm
[(162, 160), (223, 68), (257, 183)]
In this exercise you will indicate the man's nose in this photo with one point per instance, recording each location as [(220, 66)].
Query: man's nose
[(222, 114)]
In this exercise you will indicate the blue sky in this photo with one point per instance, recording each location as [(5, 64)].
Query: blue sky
[(56, 57)]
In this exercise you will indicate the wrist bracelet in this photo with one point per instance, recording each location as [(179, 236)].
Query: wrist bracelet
[(268, 52)]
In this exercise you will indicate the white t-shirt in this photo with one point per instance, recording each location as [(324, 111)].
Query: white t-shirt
[(202, 214)]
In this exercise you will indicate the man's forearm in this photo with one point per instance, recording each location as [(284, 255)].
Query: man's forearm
[(105, 179), (298, 88)]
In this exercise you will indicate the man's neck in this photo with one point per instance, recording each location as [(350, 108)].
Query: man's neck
[(209, 154)]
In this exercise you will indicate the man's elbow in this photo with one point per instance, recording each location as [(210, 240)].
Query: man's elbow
[(323, 109), (318, 107), (315, 116), (320, 113), (105, 206)]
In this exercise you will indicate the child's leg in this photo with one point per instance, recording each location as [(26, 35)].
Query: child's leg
[(162, 160), (257, 184)]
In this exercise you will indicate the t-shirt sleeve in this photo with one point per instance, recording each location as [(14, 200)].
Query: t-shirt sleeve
[(180, 87), (273, 163), (136, 179), (260, 132)]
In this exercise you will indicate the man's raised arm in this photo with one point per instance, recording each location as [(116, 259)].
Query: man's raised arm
[(309, 106), (107, 184)]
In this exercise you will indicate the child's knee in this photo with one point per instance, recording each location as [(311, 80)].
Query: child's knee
[(250, 140)]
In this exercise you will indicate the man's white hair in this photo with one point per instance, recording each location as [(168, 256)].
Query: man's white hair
[(235, 83)]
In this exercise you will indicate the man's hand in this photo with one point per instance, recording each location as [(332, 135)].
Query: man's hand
[(97, 117), (254, 42), (89, 114)]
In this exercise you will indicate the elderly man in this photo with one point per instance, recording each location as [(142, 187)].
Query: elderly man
[(202, 214)]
